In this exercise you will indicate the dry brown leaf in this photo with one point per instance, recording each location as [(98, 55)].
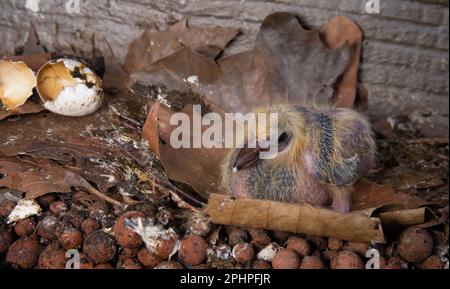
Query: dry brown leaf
[(28, 108), (295, 218), (37, 177), (198, 166), (368, 194), (154, 44), (32, 178), (34, 61)]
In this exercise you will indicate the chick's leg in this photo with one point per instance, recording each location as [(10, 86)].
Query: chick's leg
[(341, 198)]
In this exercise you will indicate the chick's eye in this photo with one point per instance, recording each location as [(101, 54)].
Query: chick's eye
[(284, 137)]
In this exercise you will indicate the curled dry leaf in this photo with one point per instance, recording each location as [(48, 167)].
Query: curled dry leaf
[(17, 81), (294, 218)]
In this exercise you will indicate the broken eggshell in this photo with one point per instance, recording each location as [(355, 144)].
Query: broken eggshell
[(17, 81), (69, 88)]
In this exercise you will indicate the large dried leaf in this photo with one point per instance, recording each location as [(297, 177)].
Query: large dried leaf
[(288, 64), (154, 44)]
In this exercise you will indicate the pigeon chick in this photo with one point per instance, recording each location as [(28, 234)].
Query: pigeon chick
[(321, 153)]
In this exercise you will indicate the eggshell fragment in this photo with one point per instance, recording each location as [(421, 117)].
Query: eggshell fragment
[(17, 81), (25, 208), (69, 88)]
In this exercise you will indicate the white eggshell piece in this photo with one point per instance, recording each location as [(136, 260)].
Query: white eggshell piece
[(25, 208), (76, 101)]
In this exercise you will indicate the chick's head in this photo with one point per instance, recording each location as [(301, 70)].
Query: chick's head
[(276, 139)]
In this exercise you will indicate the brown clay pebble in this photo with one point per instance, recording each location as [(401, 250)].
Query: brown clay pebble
[(396, 263), (192, 250), (75, 217), (199, 224), (126, 237), (6, 238), (100, 247), (129, 252), (298, 245), (312, 262), (164, 246), (70, 238), (85, 262), (243, 252), (80, 197), (329, 255), (46, 200), (129, 264), (59, 208), (236, 235), (259, 238), (52, 257), (47, 227), (347, 260), (6, 207), (169, 265), (25, 227), (335, 244), (90, 225), (357, 247), (98, 210), (261, 264), (148, 259), (285, 259), (432, 262), (104, 266), (200, 267), (24, 253), (415, 245)]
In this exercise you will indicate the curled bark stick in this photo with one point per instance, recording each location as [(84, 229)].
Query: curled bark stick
[(295, 218)]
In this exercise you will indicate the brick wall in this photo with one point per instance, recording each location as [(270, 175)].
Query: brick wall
[(405, 54)]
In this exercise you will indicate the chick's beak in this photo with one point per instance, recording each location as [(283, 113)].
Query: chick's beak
[(247, 157)]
